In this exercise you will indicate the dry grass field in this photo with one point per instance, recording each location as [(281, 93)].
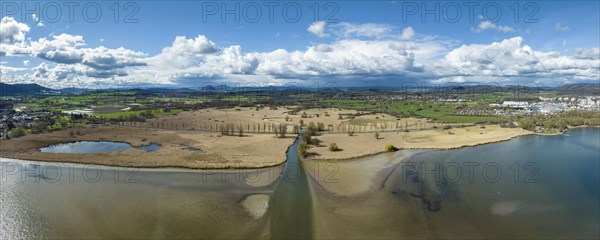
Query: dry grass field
[(255, 120), (215, 151), (257, 146), (363, 144)]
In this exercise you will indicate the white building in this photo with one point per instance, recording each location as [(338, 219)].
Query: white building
[(513, 104)]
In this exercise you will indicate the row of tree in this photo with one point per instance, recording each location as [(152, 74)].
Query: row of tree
[(558, 122)]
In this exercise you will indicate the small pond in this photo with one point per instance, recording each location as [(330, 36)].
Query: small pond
[(190, 149), (150, 148), (95, 147)]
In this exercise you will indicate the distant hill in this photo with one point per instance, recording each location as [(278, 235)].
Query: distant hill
[(22, 89), (579, 89)]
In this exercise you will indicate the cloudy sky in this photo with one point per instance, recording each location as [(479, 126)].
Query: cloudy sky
[(352, 43)]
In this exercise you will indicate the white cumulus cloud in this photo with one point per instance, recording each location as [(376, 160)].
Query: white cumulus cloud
[(318, 29), (407, 33), (488, 25), (12, 31)]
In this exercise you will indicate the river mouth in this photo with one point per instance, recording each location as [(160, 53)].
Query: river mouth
[(373, 197), (95, 147)]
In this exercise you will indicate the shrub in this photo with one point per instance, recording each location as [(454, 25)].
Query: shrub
[(333, 147), (306, 136), (39, 127), (315, 141), (17, 132), (312, 127), (390, 148), (302, 147)]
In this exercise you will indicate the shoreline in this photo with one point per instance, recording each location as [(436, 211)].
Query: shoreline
[(115, 160), (418, 149), (364, 145), (165, 168), (252, 151)]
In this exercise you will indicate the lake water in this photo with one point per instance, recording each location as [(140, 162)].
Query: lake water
[(95, 147), (529, 187)]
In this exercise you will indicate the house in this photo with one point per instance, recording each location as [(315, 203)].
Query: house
[(515, 105), (3, 130)]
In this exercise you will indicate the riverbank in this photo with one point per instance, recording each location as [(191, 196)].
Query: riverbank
[(216, 152), (365, 144)]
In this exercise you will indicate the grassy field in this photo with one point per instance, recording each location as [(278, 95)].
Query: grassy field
[(125, 114), (441, 112)]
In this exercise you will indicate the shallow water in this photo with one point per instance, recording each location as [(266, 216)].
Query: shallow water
[(291, 216), (190, 149), (150, 148), (95, 147), (529, 187), (49, 200), (548, 188)]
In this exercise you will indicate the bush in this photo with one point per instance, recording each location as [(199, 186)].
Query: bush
[(333, 147), (312, 127), (315, 141), (302, 148), (390, 148), (306, 136), (17, 132)]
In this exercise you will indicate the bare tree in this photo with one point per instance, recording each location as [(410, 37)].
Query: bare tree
[(282, 130), (240, 131)]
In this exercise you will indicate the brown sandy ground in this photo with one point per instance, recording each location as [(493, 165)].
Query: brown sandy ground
[(216, 152), (349, 202), (253, 120), (248, 117), (364, 144)]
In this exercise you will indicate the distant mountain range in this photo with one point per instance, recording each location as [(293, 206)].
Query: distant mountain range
[(22, 89), (569, 89), (579, 89)]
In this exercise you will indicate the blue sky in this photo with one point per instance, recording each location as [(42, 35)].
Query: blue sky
[(360, 43)]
